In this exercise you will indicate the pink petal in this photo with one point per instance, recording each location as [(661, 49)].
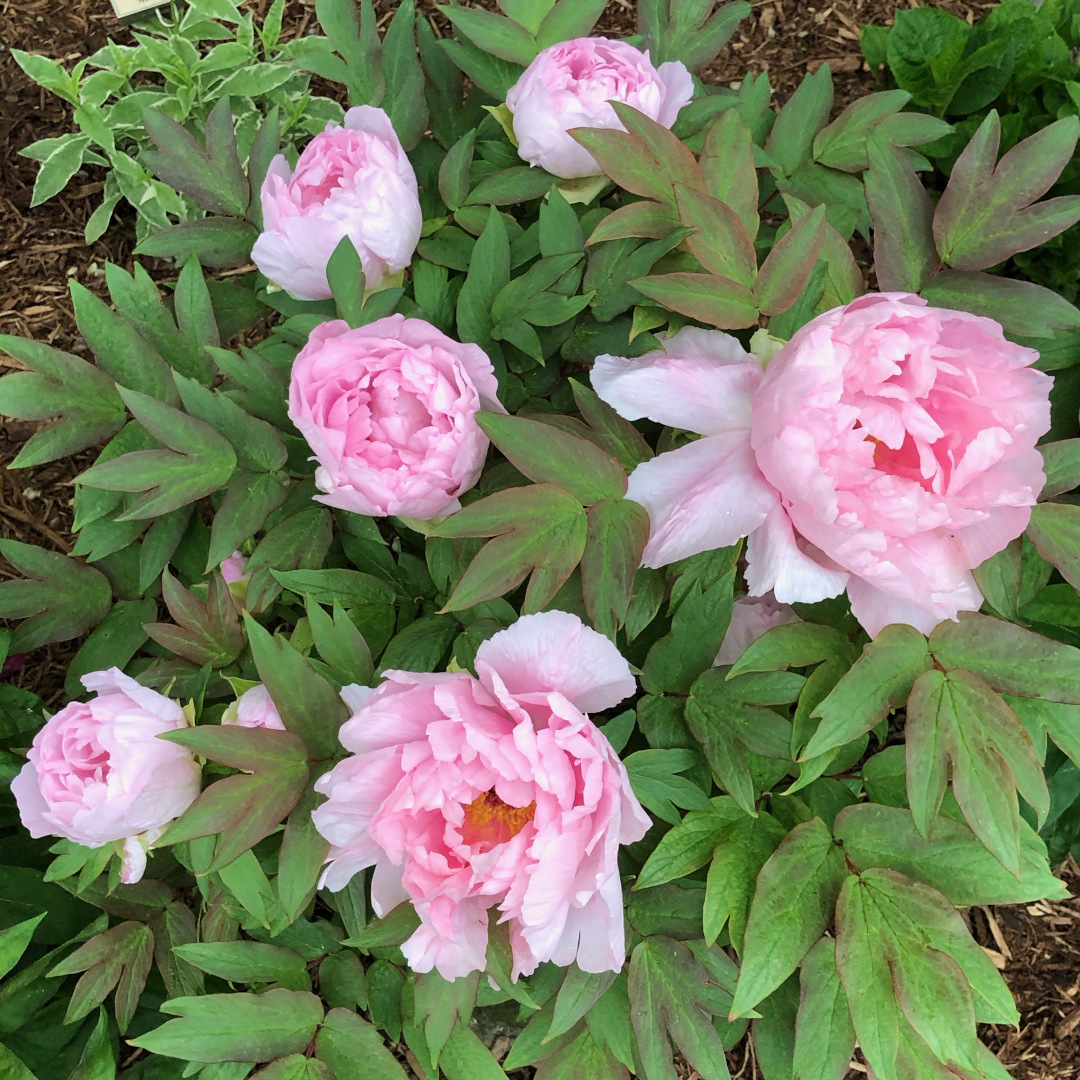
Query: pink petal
[(775, 563), (706, 495), (556, 651), (703, 381), (876, 609)]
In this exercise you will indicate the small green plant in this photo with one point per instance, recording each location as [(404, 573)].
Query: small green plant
[(182, 64)]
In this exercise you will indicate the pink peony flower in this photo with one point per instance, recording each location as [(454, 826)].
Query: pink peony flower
[(390, 413), (750, 618), (467, 794), (255, 709), (350, 181), (889, 448), (234, 568), (97, 773), (570, 85)]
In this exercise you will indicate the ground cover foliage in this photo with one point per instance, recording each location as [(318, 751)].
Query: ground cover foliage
[(804, 868)]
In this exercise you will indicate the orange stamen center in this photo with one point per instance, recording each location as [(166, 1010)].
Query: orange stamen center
[(489, 820)]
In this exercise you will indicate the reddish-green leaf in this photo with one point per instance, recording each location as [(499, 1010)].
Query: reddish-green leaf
[(679, 165), (547, 455), (987, 211), (628, 162), (644, 218), (719, 240), (787, 269), (722, 303), (727, 162)]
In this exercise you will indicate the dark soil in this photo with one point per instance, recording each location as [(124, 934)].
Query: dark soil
[(1037, 946)]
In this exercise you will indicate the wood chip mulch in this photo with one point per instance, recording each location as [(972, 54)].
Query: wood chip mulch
[(1037, 946)]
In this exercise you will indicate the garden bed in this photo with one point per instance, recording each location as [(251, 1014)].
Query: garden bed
[(1037, 946)]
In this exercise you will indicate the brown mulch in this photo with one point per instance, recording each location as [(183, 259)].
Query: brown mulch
[(1037, 945)]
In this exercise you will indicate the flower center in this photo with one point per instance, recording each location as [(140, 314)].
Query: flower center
[(489, 820)]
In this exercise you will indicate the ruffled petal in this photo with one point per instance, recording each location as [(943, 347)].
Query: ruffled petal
[(554, 651)]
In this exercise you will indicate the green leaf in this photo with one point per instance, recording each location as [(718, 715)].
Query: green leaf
[(893, 981), (538, 531), (879, 682), (299, 541), (547, 455), (1022, 308), (1010, 659), (655, 781), (727, 162), (236, 1027), (1061, 463), (629, 162), (791, 140), (59, 598), (690, 844), (489, 272), (308, 704), (14, 941), (98, 1058), (508, 187), (441, 1007), (711, 299), (842, 144), (618, 530), (12, 1066), (797, 644), (672, 997), (349, 588), (404, 101), (702, 599), (579, 992), (295, 1067), (354, 1049), (346, 278), (740, 853), (114, 641), (465, 1057), (175, 925), (340, 645), (84, 399), (726, 716), (1054, 529), (1000, 579), (217, 242), (567, 20), (247, 962), (454, 171), (955, 719), (249, 500), (824, 1037), (64, 161), (792, 906), (987, 212), (955, 863), (422, 645), (198, 461), (119, 349), (493, 33)]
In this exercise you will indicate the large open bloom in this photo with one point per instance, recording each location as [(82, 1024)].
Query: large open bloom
[(97, 772), (571, 85), (352, 181), (389, 411), (499, 791), (889, 449)]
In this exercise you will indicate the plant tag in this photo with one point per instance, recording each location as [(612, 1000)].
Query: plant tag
[(131, 10)]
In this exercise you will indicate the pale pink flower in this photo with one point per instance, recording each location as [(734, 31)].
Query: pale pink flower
[(751, 616), (353, 181), (571, 85), (389, 411), (97, 772), (254, 708), (889, 448), (234, 568), (467, 794)]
